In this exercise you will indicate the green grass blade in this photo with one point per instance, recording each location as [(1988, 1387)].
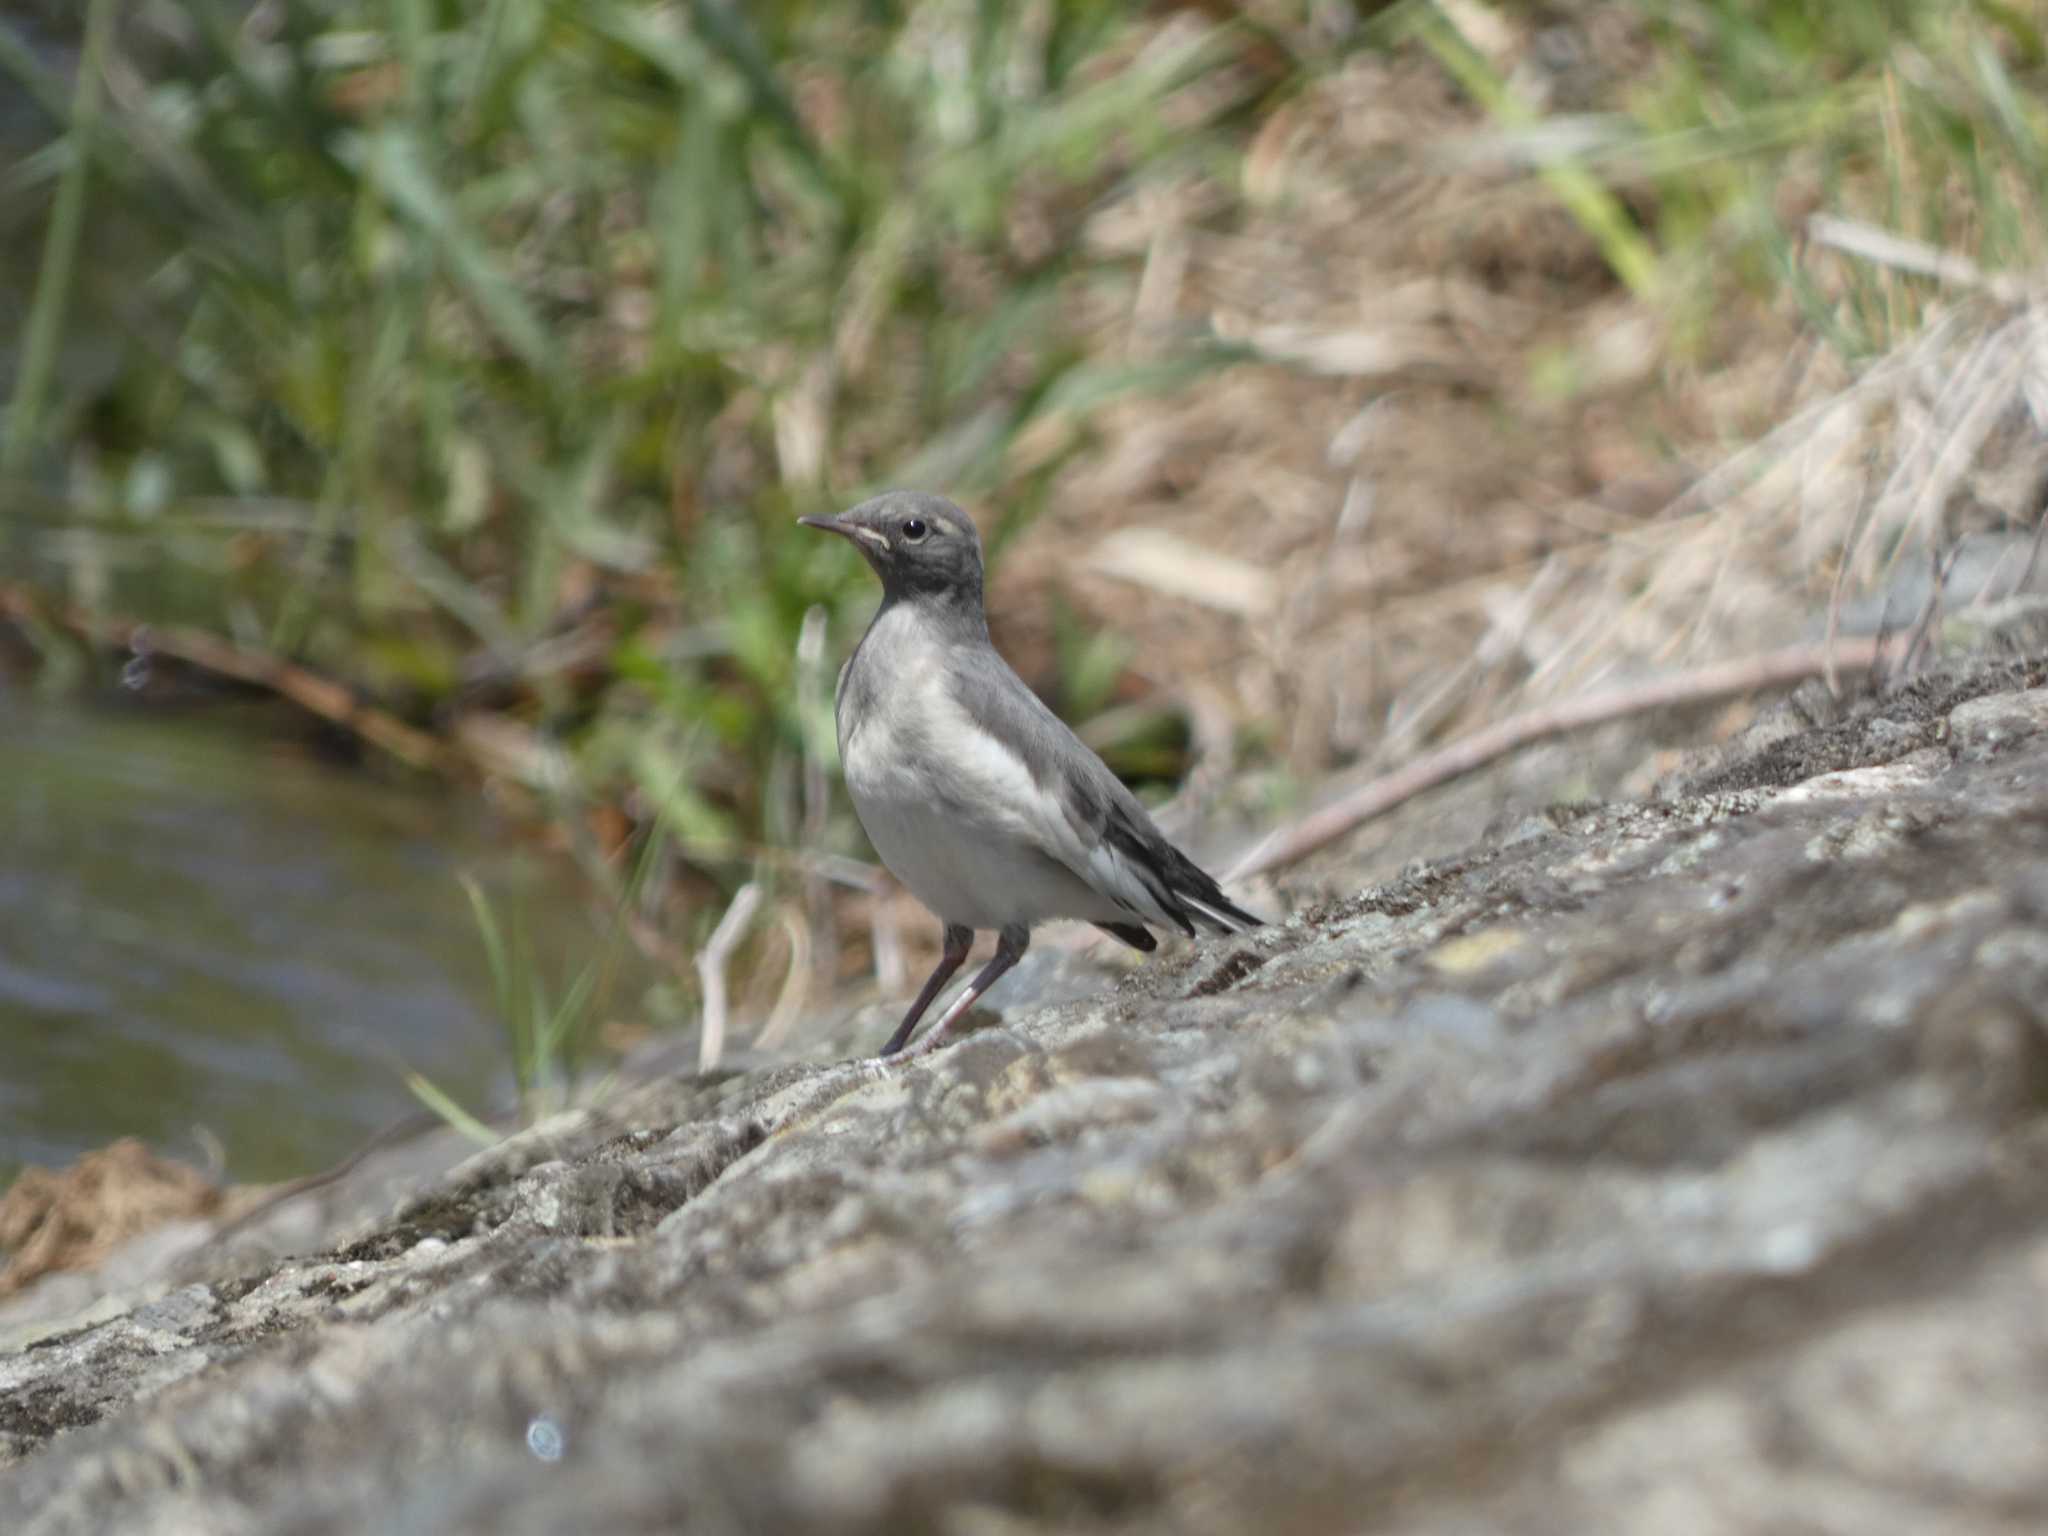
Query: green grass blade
[(401, 173), (60, 254), (457, 1118), (20, 61), (724, 25), (496, 957), (1597, 210)]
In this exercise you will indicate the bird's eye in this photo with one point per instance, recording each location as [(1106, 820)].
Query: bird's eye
[(915, 530)]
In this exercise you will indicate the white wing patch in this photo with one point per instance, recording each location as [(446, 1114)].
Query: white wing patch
[(1111, 873), (1222, 919)]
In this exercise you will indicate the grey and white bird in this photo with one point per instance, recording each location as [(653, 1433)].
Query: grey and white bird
[(976, 795)]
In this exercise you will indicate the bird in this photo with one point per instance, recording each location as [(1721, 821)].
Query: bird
[(975, 794)]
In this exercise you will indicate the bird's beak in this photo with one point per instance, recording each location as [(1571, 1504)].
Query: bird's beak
[(853, 531)]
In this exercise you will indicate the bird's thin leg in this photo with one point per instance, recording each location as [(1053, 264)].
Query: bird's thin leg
[(958, 941), (1009, 950)]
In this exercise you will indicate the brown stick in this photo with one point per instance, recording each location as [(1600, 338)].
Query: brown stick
[(317, 695), (1774, 669)]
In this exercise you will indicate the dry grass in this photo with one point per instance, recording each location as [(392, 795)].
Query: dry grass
[(74, 1218), (1411, 528)]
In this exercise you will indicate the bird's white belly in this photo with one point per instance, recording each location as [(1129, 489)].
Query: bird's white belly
[(975, 880), (968, 847)]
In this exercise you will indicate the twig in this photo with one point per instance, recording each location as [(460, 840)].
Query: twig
[(1885, 249), (2033, 554), (814, 703), (885, 938), (410, 1128), (43, 334), (1773, 669), (796, 982), (317, 695), (711, 961), (1940, 567), (1835, 595)]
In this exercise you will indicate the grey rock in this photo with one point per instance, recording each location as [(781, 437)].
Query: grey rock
[(1984, 728), (1662, 1165)]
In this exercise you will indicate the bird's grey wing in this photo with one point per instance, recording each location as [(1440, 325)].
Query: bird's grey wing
[(1085, 817)]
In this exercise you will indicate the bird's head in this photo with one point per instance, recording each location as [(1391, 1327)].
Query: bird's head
[(919, 544)]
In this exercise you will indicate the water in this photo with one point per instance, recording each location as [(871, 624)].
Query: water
[(204, 933)]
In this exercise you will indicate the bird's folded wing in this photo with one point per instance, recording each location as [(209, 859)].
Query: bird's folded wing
[(1057, 795)]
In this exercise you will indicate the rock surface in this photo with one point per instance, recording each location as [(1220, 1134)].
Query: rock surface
[(1668, 1165)]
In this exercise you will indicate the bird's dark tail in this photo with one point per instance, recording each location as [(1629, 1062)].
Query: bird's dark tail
[(1184, 892), (1138, 938), (1220, 912), (1204, 900)]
